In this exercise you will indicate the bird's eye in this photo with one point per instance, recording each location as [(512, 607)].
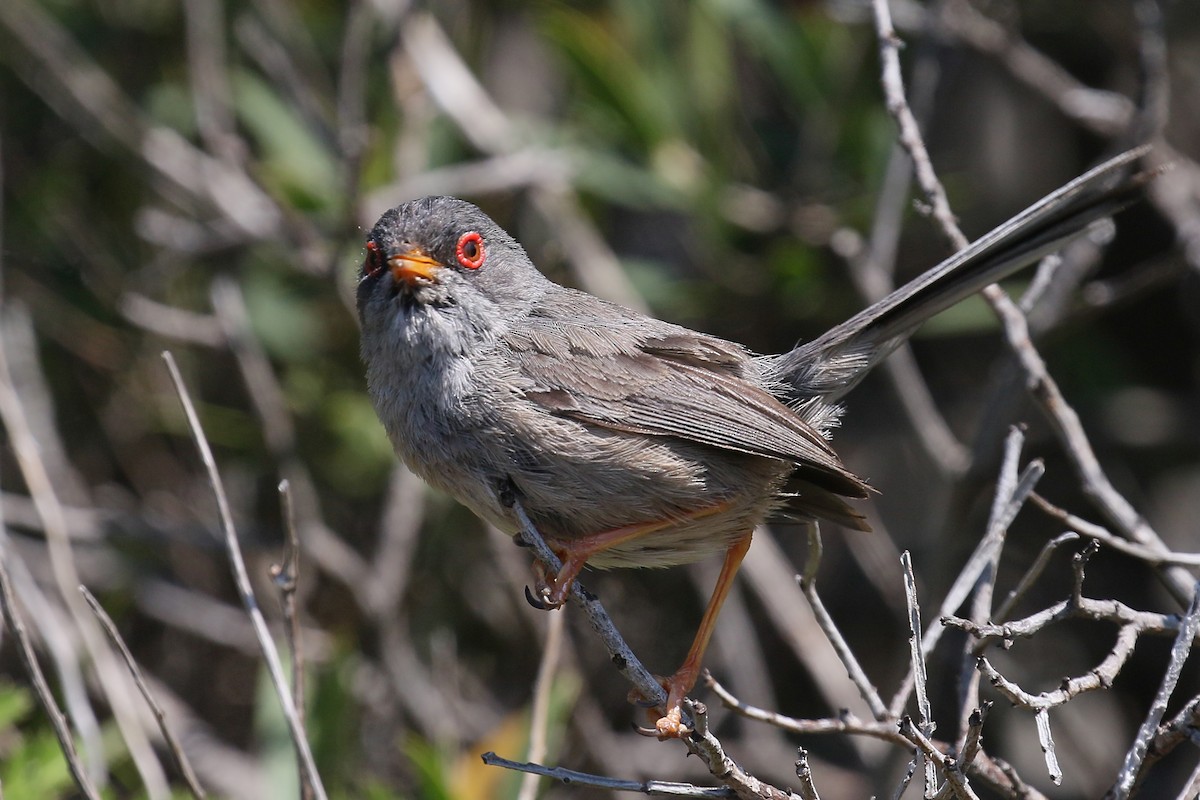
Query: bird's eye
[(470, 250), (374, 263)]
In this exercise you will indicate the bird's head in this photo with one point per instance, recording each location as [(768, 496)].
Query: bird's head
[(442, 252)]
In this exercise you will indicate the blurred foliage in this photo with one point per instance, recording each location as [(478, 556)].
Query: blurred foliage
[(720, 147)]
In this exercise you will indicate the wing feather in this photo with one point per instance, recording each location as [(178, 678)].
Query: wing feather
[(643, 376)]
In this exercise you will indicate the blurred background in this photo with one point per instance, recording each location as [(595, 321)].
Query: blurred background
[(197, 176)]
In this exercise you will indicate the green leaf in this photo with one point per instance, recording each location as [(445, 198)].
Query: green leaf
[(15, 704), (294, 159)]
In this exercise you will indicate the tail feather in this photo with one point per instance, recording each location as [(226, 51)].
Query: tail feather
[(834, 363)]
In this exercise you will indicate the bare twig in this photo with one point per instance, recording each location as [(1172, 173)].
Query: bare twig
[(935, 759), (1106, 113), (703, 743), (327, 551), (1075, 443), (1132, 767), (1010, 495), (287, 576), (973, 741), (873, 273), (769, 574), (539, 712), (906, 779), (40, 687), (808, 790), (991, 771), (16, 416), (957, 594), (1181, 728), (242, 578), (910, 132), (845, 723), (808, 584), (925, 723), (60, 642), (1046, 740), (1132, 624), (571, 777), (173, 746), (1033, 573), (1150, 554)]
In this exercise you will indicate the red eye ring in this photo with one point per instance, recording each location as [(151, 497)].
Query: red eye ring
[(374, 263), (470, 252)]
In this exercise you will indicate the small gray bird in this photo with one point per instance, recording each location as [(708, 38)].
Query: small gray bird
[(632, 442)]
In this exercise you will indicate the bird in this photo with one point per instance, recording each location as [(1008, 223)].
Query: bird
[(630, 441)]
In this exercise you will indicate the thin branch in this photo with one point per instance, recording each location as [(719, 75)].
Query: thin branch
[(910, 132), (539, 712), (1105, 113), (845, 723), (991, 771), (808, 790), (1132, 767), (1046, 741), (917, 654), (1182, 727), (570, 777), (973, 741), (704, 744), (1075, 444), (1033, 573), (287, 577), (1011, 491), (808, 584), (906, 779), (936, 759), (18, 418), (40, 687), (1132, 624), (173, 745), (242, 578), (1149, 554)]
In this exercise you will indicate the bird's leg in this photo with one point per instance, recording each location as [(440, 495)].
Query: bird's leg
[(552, 590), (671, 726)]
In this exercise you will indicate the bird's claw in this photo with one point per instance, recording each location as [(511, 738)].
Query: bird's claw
[(544, 599), (548, 593), (535, 601), (667, 726)]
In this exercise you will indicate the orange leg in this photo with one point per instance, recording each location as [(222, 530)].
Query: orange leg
[(678, 685), (553, 590)]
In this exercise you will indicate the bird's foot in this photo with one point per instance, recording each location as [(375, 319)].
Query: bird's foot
[(670, 724), (551, 590)]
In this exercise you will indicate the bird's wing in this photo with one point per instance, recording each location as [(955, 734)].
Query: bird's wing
[(631, 373)]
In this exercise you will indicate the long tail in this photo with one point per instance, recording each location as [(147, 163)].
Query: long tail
[(832, 364)]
